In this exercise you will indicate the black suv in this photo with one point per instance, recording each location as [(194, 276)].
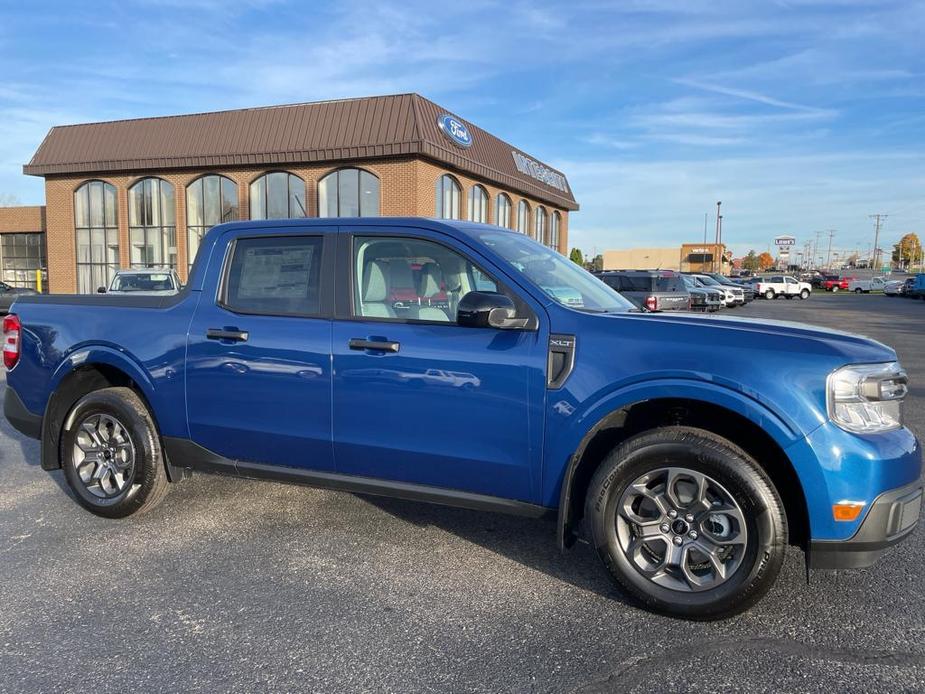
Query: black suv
[(653, 290)]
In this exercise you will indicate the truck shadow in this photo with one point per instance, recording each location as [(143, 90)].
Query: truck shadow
[(528, 541)]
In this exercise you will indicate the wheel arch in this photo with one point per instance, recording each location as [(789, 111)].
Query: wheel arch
[(91, 370), (639, 416)]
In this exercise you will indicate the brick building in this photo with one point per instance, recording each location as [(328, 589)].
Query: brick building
[(142, 192)]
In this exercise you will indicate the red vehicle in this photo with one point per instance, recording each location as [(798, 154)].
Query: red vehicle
[(836, 284)]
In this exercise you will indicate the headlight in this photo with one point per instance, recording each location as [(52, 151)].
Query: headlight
[(867, 399)]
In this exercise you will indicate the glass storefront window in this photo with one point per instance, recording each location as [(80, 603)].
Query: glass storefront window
[(152, 224), (97, 235), (348, 193), (277, 195), (210, 200)]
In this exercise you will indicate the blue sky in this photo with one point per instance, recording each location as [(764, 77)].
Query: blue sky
[(800, 115)]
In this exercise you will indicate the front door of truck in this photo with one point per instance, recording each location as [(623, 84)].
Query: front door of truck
[(258, 360), (418, 398)]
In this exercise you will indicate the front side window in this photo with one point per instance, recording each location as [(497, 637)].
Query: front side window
[(523, 217), (210, 200), (412, 279), (559, 278), (277, 195), (278, 275), (348, 193), (97, 235), (503, 207), (478, 205), (152, 224), (540, 226), (447, 197)]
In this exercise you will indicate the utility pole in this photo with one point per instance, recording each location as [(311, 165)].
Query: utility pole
[(705, 215), (878, 220), (816, 249), (828, 257), (719, 218)]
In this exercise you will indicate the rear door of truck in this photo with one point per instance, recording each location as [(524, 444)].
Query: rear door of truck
[(259, 349)]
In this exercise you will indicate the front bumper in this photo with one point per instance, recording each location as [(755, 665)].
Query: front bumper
[(892, 517)]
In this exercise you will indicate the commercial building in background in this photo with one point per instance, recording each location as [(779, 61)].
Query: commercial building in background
[(690, 257), (138, 193)]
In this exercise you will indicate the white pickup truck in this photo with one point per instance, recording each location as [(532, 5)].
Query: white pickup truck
[(781, 285), (873, 284)]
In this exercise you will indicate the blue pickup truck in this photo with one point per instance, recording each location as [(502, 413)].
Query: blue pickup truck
[(468, 365)]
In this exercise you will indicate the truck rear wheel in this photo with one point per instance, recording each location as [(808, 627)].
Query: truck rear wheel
[(687, 523), (111, 454), (769, 294)]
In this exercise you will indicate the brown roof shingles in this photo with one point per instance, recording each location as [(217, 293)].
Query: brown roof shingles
[(368, 128)]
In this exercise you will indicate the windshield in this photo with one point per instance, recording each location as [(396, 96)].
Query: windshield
[(706, 279), (142, 282), (561, 279)]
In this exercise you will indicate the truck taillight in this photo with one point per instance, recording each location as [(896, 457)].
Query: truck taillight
[(11, 330), (652, 303)]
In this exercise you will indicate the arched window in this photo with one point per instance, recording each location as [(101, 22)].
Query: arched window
[(210, 200), (278, 195), (554, 231), (448, 193), (97, 235), (539, 222), (503, 211), (348, 193), (478, 204), (523, 217), (152, 227)]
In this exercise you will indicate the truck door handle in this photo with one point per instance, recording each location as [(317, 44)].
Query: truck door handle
[(381, 345), (223, 334)]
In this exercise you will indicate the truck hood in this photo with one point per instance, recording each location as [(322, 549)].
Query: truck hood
[(721, 330)]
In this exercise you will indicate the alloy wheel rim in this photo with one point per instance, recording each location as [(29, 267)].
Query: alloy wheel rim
[(681, 529), (104, 456)]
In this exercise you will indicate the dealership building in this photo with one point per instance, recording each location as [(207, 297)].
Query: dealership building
[(141, 193), (689, 257)]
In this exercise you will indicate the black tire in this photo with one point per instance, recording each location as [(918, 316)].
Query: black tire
[(804, 294), (146, 484), (769, 294), (727, 464), (858, 291)]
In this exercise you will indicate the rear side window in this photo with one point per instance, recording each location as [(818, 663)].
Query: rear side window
[(638, 283), (275, 275), (669, 284)]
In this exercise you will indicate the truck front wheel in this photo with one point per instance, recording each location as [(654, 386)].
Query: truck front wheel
[(804, 294), (111, 454), (687, 523)]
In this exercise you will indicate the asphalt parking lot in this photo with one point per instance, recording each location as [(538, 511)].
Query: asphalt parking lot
[(251, 586)]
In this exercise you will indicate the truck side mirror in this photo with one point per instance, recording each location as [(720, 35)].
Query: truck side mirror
[(101, 290), (488, 310)]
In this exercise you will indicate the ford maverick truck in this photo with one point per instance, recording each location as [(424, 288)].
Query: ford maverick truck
[(468, 365)]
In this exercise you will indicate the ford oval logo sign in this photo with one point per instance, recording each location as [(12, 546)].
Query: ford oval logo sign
[(454, 129)]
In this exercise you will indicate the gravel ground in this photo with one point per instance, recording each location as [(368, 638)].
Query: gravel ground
[(243, 586)]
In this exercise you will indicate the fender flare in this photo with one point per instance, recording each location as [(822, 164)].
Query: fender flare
[(87, 355), (608, 409)]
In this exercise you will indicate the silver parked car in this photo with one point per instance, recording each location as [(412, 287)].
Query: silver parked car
[(149, 281)]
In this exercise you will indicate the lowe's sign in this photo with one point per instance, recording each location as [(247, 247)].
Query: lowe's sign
[(541, 173), (454, 129)]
